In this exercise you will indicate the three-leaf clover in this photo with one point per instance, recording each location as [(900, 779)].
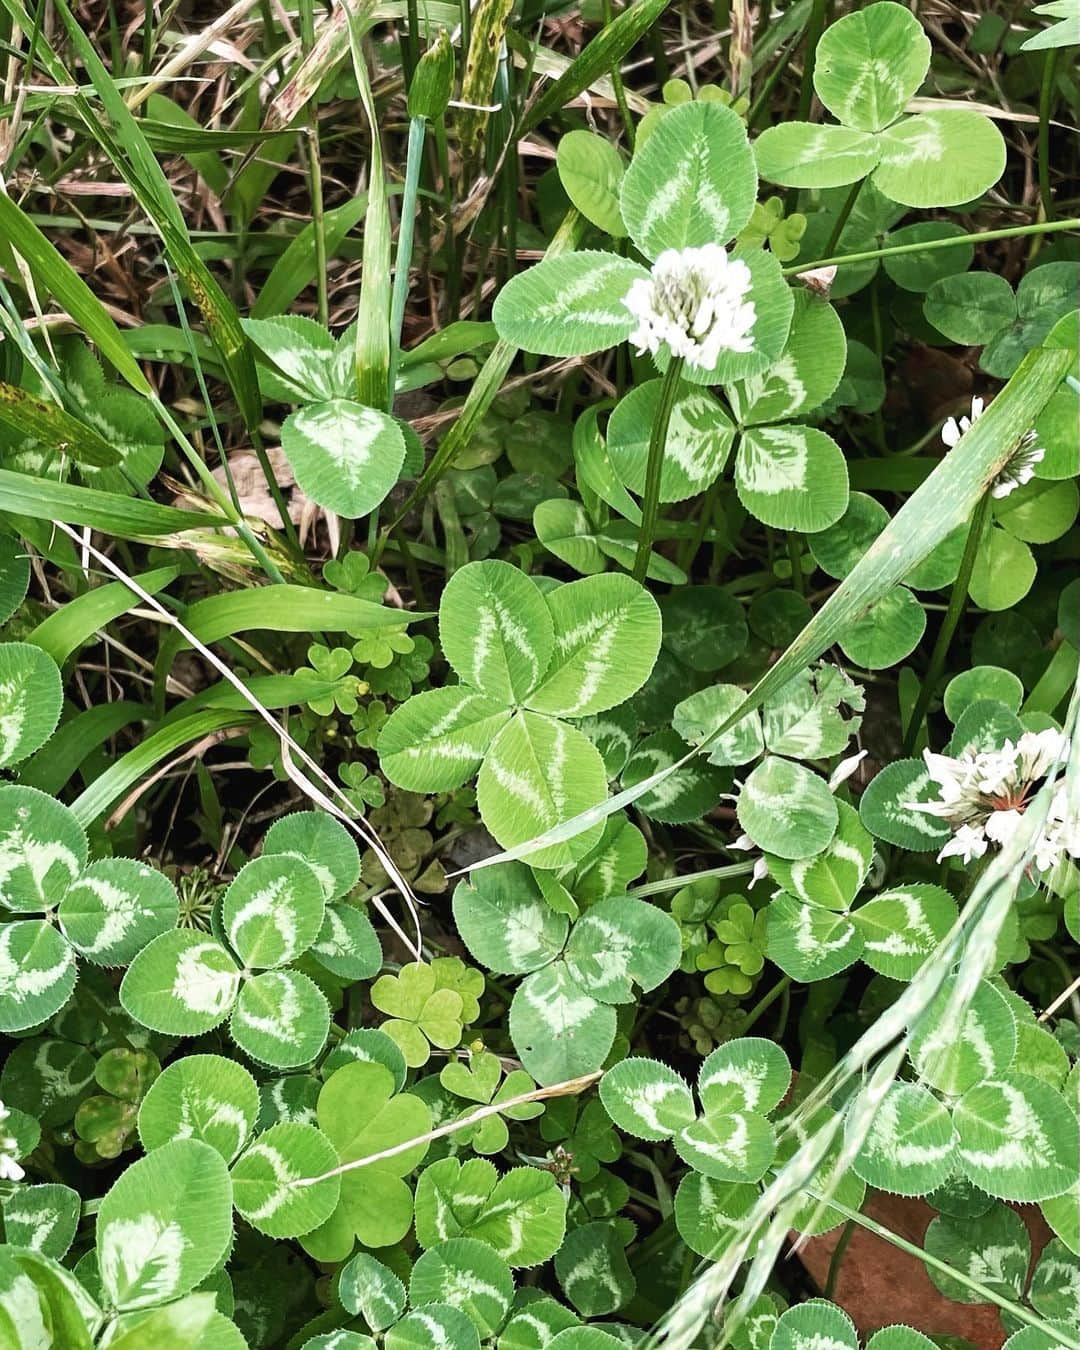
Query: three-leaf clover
[(692, 184), (105, 912), (346, 456), (362, 1114), (186, 983), (739, 1084), (422, 1013), (868, 66), (562, 1018), (526, 660), (480, 1079)]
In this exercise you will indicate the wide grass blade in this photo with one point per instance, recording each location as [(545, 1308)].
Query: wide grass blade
[(56, 275), (478, 80), (605, 50), (944, 501), (50, 425), (128, 518), (295, 269), (124, 772), (373, 311), (84, 615)]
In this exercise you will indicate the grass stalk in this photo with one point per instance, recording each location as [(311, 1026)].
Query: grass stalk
[(1046, 103), (650, 502), (895, 250), (413, 161)]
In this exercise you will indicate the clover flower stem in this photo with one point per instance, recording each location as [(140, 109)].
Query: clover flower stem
[(931, 245), (957, 601), (1046, 101), (844, 216), (837, 1260), (763, 1004), (650, 502)]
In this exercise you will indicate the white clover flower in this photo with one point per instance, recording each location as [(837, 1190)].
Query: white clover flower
[(696, 303), (983, 796), (951, 432), (845, 769), (1021, 466), (9, 1165), (967, 843)]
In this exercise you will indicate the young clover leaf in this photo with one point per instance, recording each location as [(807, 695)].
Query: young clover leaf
[(868, 66), (584, 1139), (362, 1114), (562, 1021), (164, 1225), (105, 912), (521, 1214), (738, 1084), (478, 1080), (346, 456), (422, 1013), (526, 661), (689, 190), (185, 983)]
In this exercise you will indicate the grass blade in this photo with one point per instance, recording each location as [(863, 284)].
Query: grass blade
[(52, 426), (373, 311), (129, 152), (607, 49), (128, 518)]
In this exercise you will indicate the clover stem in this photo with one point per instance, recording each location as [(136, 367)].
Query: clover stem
[(764, 1004), (650, 503), (957, 601), (843, 217), (931, 245)]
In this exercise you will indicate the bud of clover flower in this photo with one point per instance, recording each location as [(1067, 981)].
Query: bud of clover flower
[(696, 303)]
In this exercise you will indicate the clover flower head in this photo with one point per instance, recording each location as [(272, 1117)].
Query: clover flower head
[(952, 431), (1021, 466), (983, 795), (9, 1164), (696, 302)]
